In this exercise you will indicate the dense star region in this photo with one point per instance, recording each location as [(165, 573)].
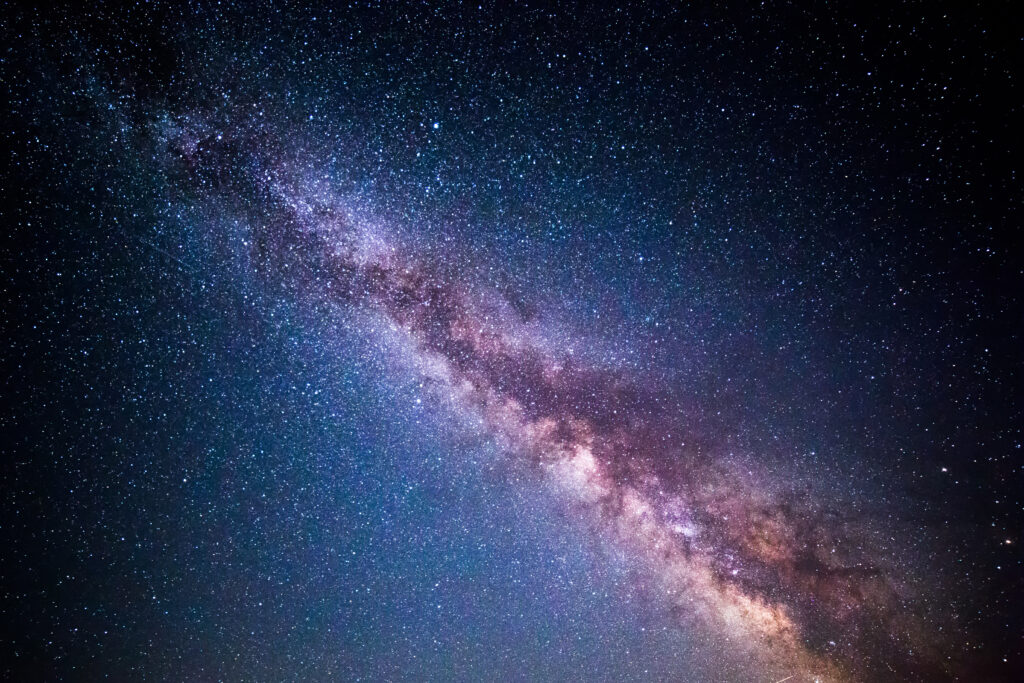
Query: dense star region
[(470, 342), (763, 568)]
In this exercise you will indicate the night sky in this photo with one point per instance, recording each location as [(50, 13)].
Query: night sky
[(494, 342)]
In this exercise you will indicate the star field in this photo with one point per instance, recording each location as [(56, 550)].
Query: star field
[(485, 342)]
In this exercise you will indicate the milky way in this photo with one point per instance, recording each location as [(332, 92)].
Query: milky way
[(769, 570), (465, 343)]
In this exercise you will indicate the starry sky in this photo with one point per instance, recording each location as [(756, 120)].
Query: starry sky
[(511, 342)]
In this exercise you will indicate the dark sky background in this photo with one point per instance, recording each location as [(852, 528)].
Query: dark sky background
[(764, 263)]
